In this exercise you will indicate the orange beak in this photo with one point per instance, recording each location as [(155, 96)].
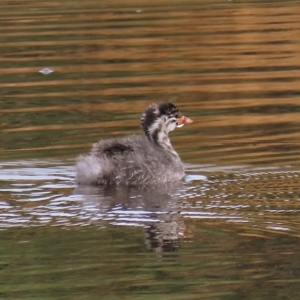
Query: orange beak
[(184, 120)]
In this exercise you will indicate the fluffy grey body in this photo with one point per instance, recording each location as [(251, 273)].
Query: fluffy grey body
[(130, 160), (136, 159)]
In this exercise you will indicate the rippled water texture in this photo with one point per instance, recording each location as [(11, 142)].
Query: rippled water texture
[(73, 72)]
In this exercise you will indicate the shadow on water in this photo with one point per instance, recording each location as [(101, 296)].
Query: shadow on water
[(156, 209)]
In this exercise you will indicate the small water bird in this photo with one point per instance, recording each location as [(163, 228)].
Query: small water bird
[(137, 159)]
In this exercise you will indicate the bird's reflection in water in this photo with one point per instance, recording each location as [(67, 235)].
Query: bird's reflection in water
[(155, 208)]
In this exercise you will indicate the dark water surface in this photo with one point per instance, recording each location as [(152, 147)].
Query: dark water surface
[(231, 230)]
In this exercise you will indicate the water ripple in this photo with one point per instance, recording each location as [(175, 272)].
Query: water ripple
[(267, 198)]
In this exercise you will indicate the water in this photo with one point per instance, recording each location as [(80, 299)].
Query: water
[(75, 72)]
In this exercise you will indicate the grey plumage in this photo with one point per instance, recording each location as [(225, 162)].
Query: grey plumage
[(136, 159)]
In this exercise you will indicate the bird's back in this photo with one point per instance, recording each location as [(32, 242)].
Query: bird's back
[(131, 160)]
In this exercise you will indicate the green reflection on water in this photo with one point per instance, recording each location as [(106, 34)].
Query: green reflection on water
[(114, 263)]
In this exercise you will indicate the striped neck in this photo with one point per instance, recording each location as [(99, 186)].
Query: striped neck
[(158, 134)]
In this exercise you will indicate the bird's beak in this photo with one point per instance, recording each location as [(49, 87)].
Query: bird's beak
[(184, 120)]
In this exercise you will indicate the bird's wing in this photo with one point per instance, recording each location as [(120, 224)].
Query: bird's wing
[(118, 149)]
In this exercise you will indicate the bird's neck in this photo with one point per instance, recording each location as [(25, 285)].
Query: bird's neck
[(159, 136)]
